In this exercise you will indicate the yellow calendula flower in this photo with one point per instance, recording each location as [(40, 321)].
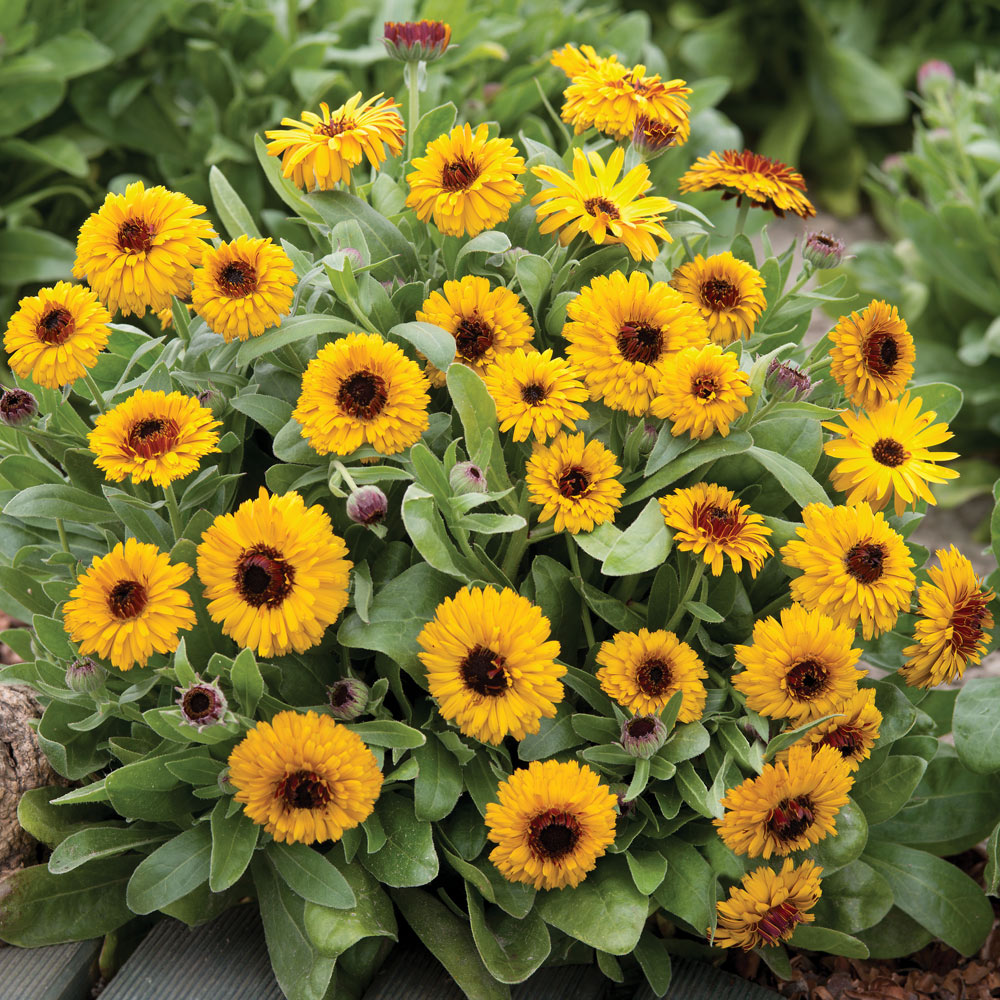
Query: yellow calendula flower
[(855, 568), (800, 668), (594, 201), (769, 906), (954, 618), (701, 391), (573, 61), (166, 316), (764, 182), (787, 807), (853, 732), (275, 574), (551, 824), (888, 453), (643, 670), (129, 605), (536, 395), (142, 247), (466, 182), (708, 520), (622, 333), (153, 435), (304, 777), (728, 292), (244, 288), (359, 390), (574, 482), (491, 665), (485, 322), (872, 355), (320, 151), (56, 335)]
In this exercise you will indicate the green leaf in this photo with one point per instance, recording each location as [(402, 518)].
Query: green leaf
[(147, 790), (490, 242), (605, 911), (991, 876), (790, 737), (101, 842), (854, 898), (451, 942), (553, 736), (312, 875), (171, 871), (511, 948), (423, 522), (247, 682), (478, 413), (332, 931), (233, 841), (408, 858), (292, 330), (687, 741), (837, 851), (654, 960), (866, 93), (49, 500), (976, 724), (943, 398), (703, 612), (689, 888), (439, 781), (234, 214), (935, 893), (53, 637), (31, 256), (885, 792), (432, 124), (701, 454), (271, 413), (796, 481), (437, 345), (896, 935), (642, 546), (829, 941), (388, 733), (648, 869)]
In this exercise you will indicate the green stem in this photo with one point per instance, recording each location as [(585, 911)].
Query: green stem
[(359, 314), (574, 562), (516, 548), (411, 71), (540, 532), (173, 510), (696, 575), (346, 476), (63, 540), (687, 248), (800, 281), (95, 392), (292, 19), (741, 217)]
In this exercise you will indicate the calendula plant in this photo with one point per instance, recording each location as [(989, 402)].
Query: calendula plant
[(476, 558)]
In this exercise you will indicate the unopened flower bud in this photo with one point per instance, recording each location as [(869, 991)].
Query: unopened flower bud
[(467, 477), (643, 735), (347, 698), (785, 381), (934, 73), (202, 704), (83, 675), (650, 137), (17, 407), (823, 250), (367, 505), (416, 41), (650, 432), (214, 401), (893, 163)]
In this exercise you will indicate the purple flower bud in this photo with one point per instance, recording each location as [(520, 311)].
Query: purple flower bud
[(367, 505), (416, 41), (650, 137), (823, 250), (17, 407), (213, 400), (892, 163), (933, 73), (643, 735), (467, 477), (201, 704), (348, 698), (84, 675), (353, 255), (650, 432), (785, 381)]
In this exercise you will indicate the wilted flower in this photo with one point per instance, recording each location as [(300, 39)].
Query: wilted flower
[(347, 698), (367, 505), (823, 250), (650, 137), (84, 675), (416, 41), (933, 73), (467, 477), (643, 735), (201, 704), (17, 407), (784, 380)]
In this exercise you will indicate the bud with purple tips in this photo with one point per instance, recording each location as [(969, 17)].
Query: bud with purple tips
[(367, 505), (202, 704), (934, 73), (17, 407), (650, 137), (643, 735), (85, 676), (823, 251), (416, 41), (785, 381), (347, 698), (467, 477)]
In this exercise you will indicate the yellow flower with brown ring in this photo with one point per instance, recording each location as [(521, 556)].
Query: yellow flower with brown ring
[(728, 292)]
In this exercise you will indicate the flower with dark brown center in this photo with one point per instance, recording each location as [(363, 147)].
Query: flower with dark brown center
[(363, 395), (848, 740), (473, 337), (135, 235), (574, 482), (640, 343), (601, 206), (887, 451), (483, 671), (153, 436), (17, 407), (881, 352), (717, 293), (334, 126), (790, 818), (776, 925), (864, 562), (303, 790), (533, 394), (127, 599), (553, 834), (967, 622), (459, 174), (653, 677), (263, 577), (201, 704), (705, 388), (237, 279), (650, 137), (56, 326), (807, 679)]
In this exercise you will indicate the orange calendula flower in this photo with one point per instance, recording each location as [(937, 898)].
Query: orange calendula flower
[(728, 292)]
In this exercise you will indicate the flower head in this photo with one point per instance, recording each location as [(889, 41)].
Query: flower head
[(275, 574), (954, 618), (84, 676), (574, 481), (321, 150), (765, 183), (56, 335), (244, 288), (367, 505), (466, 181), (701, 391), (129, 604), (594, 201), (491, 665), (347, 698), (551, 824), (536, 394), (416, 41), (154, 436), (787, 807), (467, 477), (769, 906), (853, 731), (643, 735), (888, 453), (304, 777), (872, 355), (855, 568), (785, 381), (643, 670), (708, 519), (622, 333), (142, 247), (202, 704), (359, 390), (800, 668), (934, 73), (823, 251), (650, 137), (728, 292), (17, 407)]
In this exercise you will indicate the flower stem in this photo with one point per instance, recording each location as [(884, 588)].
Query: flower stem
[(696, 575), (741, 217), (63, 540), (95, 392), (574, 562), (515, 550), (346, 476), (411, 71), (173, 510)]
